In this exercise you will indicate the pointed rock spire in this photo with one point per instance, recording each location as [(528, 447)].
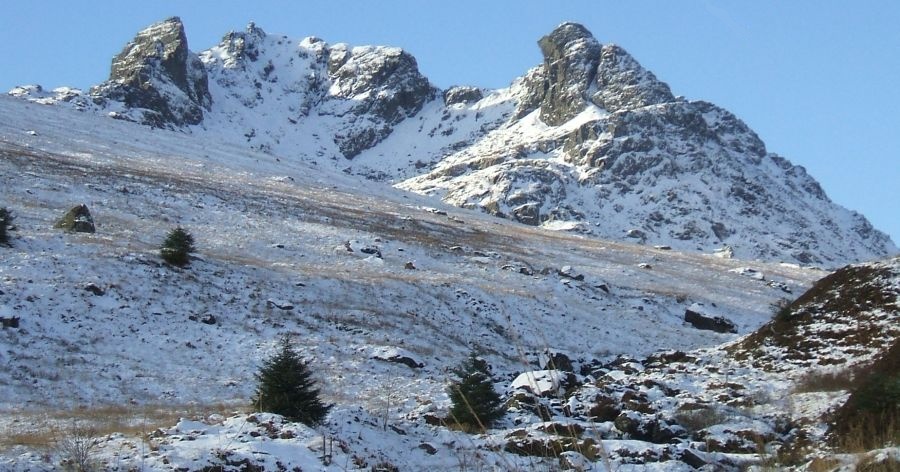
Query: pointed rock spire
[(571, 55), (157, 72), (577, 70)]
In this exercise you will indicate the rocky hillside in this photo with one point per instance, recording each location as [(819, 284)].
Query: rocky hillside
[(587, 141)]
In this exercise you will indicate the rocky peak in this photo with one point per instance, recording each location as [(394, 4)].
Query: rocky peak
[(242, 45), (571, 55), (157, 72), (384, 83), (578, 70), (387, 79), (622, 83)]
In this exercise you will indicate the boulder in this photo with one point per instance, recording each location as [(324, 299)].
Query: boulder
[(528, 214), (555, 360), (94, 288), (544, 383), (698, 320), (397, 355), (78, 220)]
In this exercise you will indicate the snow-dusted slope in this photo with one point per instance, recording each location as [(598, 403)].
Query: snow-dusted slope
[(353, 275), (588, 141)]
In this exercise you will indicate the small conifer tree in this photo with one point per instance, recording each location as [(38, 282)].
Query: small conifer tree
[(6, 219), (475, 403), (177, 247), (285, 387)]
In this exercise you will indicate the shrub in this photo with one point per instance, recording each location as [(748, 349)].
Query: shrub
[(77, 448), (177, 247), (475, 403), (285, 387), (870, 418), (6, 219)]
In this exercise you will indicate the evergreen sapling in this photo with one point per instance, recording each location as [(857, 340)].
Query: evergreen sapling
[(177, 247), (475, 403), (6, 226), (285, 387)]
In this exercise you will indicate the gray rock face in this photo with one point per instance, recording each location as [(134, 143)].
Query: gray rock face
[(571, 55), (157, 73)]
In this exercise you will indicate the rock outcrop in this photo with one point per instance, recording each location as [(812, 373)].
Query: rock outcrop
[(571, 55), (158, 74)]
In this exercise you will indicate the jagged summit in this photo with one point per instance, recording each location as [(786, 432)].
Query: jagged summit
[(577, 71), (587, 141)]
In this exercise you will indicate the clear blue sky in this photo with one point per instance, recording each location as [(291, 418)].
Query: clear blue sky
[(818, 80)]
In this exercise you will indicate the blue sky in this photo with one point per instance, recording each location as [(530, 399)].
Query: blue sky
[(819, 81)]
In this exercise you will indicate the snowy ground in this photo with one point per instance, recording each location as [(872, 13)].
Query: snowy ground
[(286, 248)]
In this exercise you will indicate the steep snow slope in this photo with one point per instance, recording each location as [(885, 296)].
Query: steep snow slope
[(588, 141)]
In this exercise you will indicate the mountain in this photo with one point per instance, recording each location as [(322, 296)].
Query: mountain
[(610, 355), (589, 141)]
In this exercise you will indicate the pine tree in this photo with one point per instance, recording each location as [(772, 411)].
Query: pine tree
[(6, 219), (285, 386), (475, 403), (177, 247)]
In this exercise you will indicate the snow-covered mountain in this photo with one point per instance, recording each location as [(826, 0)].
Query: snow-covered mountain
[(609, 355), (588, 141)]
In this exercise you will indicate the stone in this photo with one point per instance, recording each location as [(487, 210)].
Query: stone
[(528, 214), (556, 360), (428, 448), (692, 458), (280, 304), (397, 355), (568, 272), (604, 409), (710, 323), (94, 288), (78, 220)]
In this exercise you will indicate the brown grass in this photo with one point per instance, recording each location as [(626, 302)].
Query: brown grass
[(41, 430)]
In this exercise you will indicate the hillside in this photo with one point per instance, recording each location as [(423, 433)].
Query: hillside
[(588, 142), (618, 346)]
